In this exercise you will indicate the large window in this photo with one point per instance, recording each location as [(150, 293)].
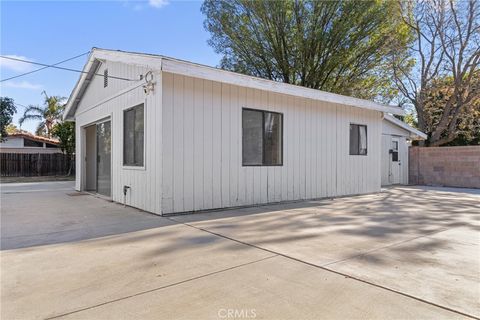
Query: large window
[(133, 136), (262, 138), (358, 139)]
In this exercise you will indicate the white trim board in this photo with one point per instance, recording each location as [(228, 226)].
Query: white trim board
[(176, 66), (417, 133)]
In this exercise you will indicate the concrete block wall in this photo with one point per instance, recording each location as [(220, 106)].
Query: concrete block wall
[(445, 166)]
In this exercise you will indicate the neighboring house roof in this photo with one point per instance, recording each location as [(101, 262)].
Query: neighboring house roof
[(166, 64), (415, 134), (30, 136)]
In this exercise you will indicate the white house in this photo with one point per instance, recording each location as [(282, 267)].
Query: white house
[(169, 136), (24, 142), (396, 138)]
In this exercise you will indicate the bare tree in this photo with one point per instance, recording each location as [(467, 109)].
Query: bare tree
[(446, 44)]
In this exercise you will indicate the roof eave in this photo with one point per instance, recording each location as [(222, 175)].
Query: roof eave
[(186, 68), (415, 134), (214, 74)]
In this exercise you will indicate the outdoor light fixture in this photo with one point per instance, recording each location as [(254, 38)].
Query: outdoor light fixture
[(149, 84)]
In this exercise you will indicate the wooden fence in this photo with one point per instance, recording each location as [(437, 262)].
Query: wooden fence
[(35, 164)]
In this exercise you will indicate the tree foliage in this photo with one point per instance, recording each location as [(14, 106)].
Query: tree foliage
[(65, 132), (48, 115), (446, 47), (337, 46), (11, 129), (7, 110), (467, 123)]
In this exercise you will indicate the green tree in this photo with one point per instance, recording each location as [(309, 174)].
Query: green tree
[(7, 110), (65, 132), (446, 46), (11, 129), (337, 46), (49, 114), (467, 122)]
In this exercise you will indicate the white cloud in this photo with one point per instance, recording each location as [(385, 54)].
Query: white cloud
[(16, 66), (22, 85), (158, 3), (139, 5)]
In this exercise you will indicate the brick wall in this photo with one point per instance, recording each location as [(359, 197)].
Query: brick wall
[(445, 166)]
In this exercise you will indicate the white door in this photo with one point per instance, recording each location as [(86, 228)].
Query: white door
[(395, 162)]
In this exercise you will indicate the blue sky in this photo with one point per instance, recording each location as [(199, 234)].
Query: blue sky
[(51, 31)]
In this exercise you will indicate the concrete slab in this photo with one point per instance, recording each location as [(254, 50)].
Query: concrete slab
[(85, 257), (442, 268), (275, 288), (52, 212), (328, 232), (40, 282)]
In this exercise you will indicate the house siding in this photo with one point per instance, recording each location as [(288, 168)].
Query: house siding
[(145, 183), (202, 148), (390, 130)]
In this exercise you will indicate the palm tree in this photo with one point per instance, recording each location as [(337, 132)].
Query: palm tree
[(48, 115)]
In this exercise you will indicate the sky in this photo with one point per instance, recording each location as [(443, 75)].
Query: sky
[(51, 31)]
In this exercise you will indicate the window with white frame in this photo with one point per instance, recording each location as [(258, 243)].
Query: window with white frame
[(133, 134), (358, 139), (262, 138)]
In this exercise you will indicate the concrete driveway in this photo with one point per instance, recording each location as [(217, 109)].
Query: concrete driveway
[(403, 253)]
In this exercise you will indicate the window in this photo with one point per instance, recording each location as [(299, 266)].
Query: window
[(395, 151), (49, 145), (358, 139), (133, 136), (105, 78), (262, 138), (32, 143)]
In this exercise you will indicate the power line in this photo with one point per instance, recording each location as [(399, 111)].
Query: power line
[(39, 69), (20, 105), (66, 69)]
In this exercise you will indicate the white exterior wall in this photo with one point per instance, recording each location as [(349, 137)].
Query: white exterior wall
[(12, 142), (15, 145), (389, 131), (202, 144), (389, 128), (99, 103)]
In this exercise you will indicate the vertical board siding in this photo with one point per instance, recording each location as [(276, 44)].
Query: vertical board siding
[(202, 143), (101, 103)]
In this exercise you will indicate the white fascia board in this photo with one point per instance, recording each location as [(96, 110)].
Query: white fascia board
[(76, 89), (416, 133), (138, 59), (148, 61), (214, 74)]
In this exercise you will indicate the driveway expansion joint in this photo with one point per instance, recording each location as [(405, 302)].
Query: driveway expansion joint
[(330, 270), (162, 287)]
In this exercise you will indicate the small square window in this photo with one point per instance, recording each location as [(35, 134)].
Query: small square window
[(262, 138), (358, 139)]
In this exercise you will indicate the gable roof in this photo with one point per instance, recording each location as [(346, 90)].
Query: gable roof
[(414, 133), (171, 65), (31, 136)]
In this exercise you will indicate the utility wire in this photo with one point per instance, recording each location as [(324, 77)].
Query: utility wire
[(66, 69), (39, 69), (20, 105)]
